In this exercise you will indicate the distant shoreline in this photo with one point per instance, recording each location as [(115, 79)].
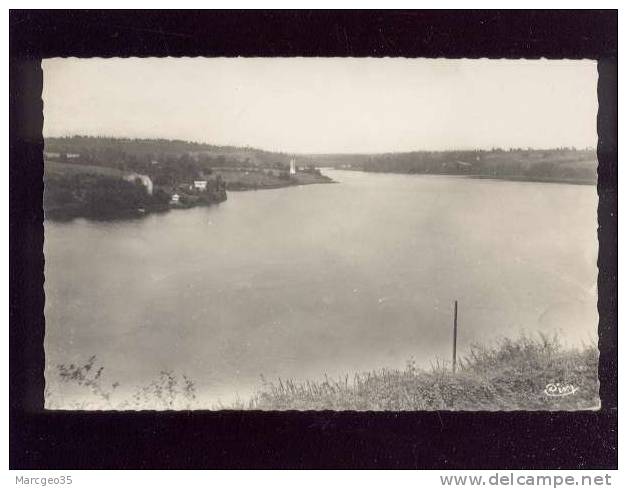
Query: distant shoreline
[(571, 181), (512, 178)]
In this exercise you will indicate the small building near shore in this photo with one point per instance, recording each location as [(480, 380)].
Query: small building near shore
[(200, 184), (175, 199)]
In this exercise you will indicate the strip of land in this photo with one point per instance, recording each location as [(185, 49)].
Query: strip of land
[(528, 373), (105, 178), (558, 165)]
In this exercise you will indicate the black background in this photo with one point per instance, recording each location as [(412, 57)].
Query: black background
[(233, 439)]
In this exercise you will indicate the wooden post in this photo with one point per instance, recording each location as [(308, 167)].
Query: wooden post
[(455, 339)]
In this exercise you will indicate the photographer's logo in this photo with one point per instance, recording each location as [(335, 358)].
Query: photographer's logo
[(560, 390)]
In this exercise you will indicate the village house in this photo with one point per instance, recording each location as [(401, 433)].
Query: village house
[(200, 185)]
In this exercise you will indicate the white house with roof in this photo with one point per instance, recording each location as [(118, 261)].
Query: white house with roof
[(200, 184)]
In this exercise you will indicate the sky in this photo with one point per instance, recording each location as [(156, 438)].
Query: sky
[(326, 105)]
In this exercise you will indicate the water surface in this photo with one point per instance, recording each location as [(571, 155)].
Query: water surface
[(303, 281)]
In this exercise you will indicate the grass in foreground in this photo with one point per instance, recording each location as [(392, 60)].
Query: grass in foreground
[(529, 373), (511, 375)]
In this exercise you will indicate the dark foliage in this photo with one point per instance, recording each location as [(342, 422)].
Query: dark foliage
[(97, 196)]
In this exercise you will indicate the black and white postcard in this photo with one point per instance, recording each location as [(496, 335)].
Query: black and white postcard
[(320, 234)]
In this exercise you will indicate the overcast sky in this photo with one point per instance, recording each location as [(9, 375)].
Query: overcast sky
[(326, 105)]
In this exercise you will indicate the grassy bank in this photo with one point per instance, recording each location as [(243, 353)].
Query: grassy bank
[(524, 374), (510, 375)]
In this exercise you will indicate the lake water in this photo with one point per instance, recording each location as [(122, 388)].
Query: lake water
[(303, 281)]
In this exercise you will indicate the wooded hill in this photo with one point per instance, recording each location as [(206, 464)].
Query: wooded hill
[(142, 155), (560, 165), (142, 152)]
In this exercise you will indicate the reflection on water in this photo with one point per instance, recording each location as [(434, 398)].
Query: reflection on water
[(303, 281)]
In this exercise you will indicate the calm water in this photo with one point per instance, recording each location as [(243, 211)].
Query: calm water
[(303, 281)]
